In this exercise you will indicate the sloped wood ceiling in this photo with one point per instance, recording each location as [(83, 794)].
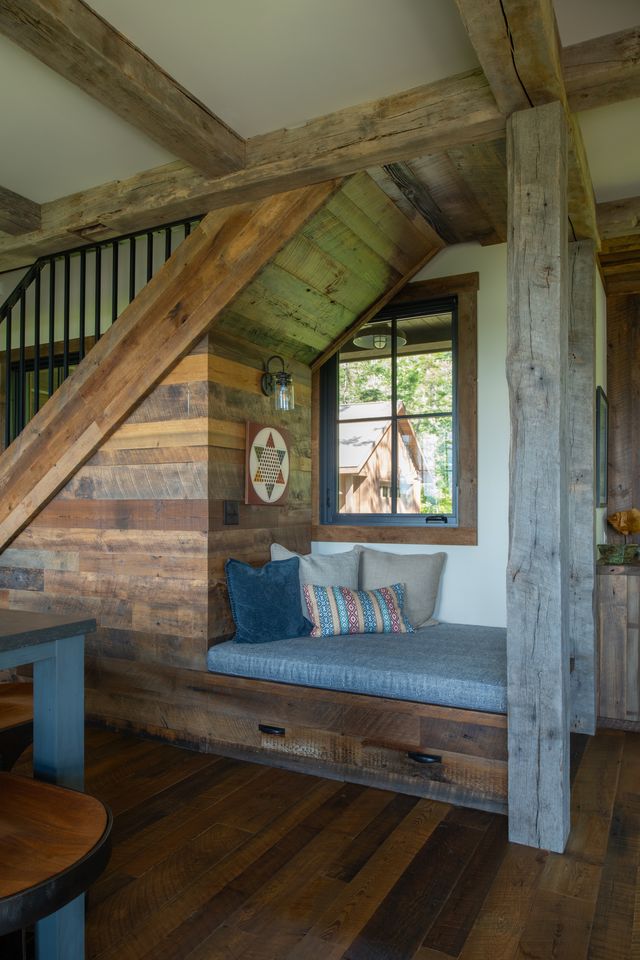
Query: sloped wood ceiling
[(358, 246), (291, 273)]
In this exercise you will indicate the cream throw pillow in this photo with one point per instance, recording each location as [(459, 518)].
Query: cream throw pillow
[(325, 570), (420, 572)]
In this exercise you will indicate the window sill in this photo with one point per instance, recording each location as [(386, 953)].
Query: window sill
[(445, 536)]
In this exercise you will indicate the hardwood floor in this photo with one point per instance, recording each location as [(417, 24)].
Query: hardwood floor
[(216, 858)]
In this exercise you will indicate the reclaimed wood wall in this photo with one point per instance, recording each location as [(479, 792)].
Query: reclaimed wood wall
[(619, 632), (136, 538), (623, 392)]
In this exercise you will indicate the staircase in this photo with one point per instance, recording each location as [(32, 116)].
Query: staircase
[(61, 308)]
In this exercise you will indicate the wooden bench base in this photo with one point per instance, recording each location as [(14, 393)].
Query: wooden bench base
[(457, 756)]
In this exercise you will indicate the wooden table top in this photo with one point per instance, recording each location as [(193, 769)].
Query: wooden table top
[(19, 628), (44, 830)]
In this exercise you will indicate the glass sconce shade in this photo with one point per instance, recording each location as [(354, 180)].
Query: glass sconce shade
[(279, 385)]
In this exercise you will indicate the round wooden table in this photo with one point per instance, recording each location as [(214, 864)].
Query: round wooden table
[(54, 843)]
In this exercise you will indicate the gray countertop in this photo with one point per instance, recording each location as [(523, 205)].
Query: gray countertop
[(19, 628)]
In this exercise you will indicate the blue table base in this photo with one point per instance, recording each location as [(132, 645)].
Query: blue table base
[(58, 757)]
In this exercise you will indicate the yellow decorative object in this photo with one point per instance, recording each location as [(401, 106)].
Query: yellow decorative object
[(625, 521)]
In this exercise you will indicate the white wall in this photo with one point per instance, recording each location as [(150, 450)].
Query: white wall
[(8, 282), (474, 580)]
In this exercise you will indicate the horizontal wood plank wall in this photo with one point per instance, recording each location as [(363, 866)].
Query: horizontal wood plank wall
[(126, 538), (137, 539), (234, 373)]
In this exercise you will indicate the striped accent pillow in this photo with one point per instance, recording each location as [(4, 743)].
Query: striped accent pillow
[(339, 610)]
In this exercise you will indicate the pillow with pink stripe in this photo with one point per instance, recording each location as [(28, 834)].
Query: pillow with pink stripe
[(339, 610)]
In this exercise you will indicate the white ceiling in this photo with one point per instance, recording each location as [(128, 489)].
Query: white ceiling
[(265, 64), (262, 65), (580, 20)]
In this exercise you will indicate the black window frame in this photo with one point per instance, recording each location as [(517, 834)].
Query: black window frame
[(329, 513)]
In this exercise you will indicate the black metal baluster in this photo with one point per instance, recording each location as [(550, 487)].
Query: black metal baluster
[(52, 323), (82, 306), (65, 307), (187, 229), (22, 386), (167, 243), (98, 298), (149, 256), (132, 268), (36, 345), (114, 281), (7, 379)]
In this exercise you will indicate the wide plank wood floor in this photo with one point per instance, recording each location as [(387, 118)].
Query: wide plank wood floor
[(216, 858)]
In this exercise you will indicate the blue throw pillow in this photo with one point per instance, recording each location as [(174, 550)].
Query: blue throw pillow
[(265, 601)]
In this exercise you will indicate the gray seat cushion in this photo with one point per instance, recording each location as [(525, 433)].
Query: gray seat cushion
[(450, 664)]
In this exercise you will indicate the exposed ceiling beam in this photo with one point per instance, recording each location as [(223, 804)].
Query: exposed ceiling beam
[(603, 71), (445, 115), (18, 214), (428, 119), (619, 218), (77, 43), (620, 264), (517, 44)]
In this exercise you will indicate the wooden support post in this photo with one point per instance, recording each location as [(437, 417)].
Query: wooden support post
[(581, 390), (537, 637)]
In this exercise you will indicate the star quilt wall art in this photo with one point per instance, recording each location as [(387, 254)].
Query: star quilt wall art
[(267, 465)]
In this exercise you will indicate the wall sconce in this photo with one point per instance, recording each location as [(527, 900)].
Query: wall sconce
[(278, 384)]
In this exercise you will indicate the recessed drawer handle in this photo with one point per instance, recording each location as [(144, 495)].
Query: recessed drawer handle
[(273, 731), (425, 757)]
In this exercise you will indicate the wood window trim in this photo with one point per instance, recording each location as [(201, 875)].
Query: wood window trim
[(465, 287)]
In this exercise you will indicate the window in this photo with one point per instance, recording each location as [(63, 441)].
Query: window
[(397, 422)]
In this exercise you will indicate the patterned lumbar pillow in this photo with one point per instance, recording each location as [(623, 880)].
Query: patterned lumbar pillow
[(339, 610)]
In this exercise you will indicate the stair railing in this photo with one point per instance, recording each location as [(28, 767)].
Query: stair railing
[(63, 305)]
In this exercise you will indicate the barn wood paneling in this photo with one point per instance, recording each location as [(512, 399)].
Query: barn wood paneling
[(136, 538), (623, 392)]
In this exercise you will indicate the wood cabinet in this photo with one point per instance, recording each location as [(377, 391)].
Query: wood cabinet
[(619, 643)]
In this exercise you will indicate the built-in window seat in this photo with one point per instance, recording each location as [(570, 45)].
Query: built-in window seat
[(449, 664), (423, 713)]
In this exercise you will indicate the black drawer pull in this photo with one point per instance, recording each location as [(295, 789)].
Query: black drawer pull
[(425, 757), (273, 731)]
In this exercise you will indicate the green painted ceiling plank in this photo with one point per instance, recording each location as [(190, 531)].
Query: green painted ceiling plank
[(370, 233), (340, 243), (305, 300), (378, 207), (237, 325), (293, 304), (305, 260), (259, 304)]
